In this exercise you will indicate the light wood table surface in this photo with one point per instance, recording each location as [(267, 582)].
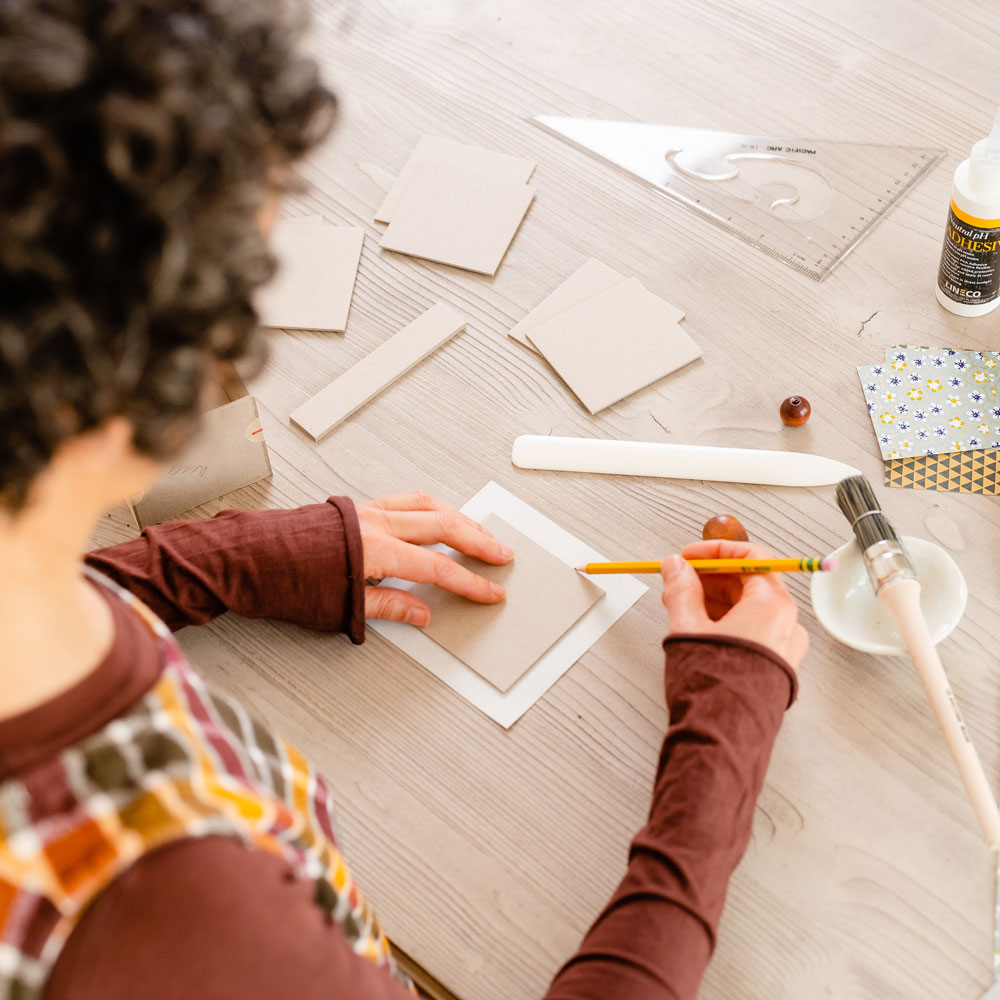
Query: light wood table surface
[(488, 852)]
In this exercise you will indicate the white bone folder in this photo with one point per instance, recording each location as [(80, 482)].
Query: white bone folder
[(678, 461)]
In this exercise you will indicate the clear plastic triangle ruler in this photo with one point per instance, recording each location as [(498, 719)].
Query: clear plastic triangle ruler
[(805, 202)]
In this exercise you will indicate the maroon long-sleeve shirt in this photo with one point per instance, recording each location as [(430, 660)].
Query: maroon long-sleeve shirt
[(210, 918)]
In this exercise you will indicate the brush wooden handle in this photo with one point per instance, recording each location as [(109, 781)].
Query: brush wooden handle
[(902, 598)]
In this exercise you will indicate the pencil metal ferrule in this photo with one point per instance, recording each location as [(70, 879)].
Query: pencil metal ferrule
[(886, 562)]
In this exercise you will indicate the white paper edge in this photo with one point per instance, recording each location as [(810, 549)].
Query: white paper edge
[(620, 593)]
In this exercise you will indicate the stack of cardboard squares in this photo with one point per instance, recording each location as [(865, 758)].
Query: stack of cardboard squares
[(457, 204), (936, 415), (317, 266), (606, 335)]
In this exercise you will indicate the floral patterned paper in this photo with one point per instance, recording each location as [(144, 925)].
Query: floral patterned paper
[(925, 401)]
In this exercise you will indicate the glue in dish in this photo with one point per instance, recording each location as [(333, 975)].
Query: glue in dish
[(969, 276)]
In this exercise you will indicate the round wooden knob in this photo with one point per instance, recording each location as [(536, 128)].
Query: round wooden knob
[(795, 411), (724, 526)]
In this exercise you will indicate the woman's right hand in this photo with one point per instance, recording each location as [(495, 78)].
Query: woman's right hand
[(753, 606)]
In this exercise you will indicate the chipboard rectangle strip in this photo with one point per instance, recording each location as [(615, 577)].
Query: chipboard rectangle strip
[(388, 362)]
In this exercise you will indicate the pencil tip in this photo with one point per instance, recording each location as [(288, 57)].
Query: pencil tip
[(580, 569)]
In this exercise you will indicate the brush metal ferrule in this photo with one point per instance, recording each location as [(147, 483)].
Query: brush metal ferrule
[(886, 562)]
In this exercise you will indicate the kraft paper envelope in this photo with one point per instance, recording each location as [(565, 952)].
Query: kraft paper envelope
[(545, 597), (228, 453), (453, 216), (317, 267), (614, 344), (432, 151), (388, 362)]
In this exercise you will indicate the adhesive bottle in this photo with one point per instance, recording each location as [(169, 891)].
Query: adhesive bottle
[(969, 276)]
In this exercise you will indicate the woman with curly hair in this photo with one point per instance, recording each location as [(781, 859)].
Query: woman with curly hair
[(155, 840)]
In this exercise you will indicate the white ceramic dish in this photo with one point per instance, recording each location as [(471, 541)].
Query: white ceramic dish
[(845, 603)]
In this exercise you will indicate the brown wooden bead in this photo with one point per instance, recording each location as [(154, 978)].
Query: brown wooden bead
[(724, 526), (795, 411)]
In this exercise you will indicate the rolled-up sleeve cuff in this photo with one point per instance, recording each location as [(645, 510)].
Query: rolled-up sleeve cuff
[(754, 647), (355, 568)]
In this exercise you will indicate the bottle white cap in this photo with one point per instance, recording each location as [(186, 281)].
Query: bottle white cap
[(984, 166)]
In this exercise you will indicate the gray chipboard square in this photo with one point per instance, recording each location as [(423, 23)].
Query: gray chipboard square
[(434, 152), (452, 216), (317, 268), (614, 344), (545, 598)]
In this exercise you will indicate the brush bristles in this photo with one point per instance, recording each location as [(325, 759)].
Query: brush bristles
[(857, 502)]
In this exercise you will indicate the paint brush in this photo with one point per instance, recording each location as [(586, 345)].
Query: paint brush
[(805, 564), (897, 588)]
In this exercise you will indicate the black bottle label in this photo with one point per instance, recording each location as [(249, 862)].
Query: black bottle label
[(970, 258)]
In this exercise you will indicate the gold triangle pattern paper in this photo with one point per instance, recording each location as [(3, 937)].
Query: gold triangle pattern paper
[(954, 472)]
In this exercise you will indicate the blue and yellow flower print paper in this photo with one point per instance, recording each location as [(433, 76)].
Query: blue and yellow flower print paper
[(932, 401)]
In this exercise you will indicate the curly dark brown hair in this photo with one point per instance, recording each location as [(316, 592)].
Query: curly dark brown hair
[(139, 140)]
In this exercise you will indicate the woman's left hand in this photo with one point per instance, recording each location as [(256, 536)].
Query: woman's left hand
[(394, 532)]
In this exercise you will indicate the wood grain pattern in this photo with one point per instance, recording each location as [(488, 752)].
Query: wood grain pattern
[(488, 852)]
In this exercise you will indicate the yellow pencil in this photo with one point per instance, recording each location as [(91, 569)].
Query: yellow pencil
[(805, 564)]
